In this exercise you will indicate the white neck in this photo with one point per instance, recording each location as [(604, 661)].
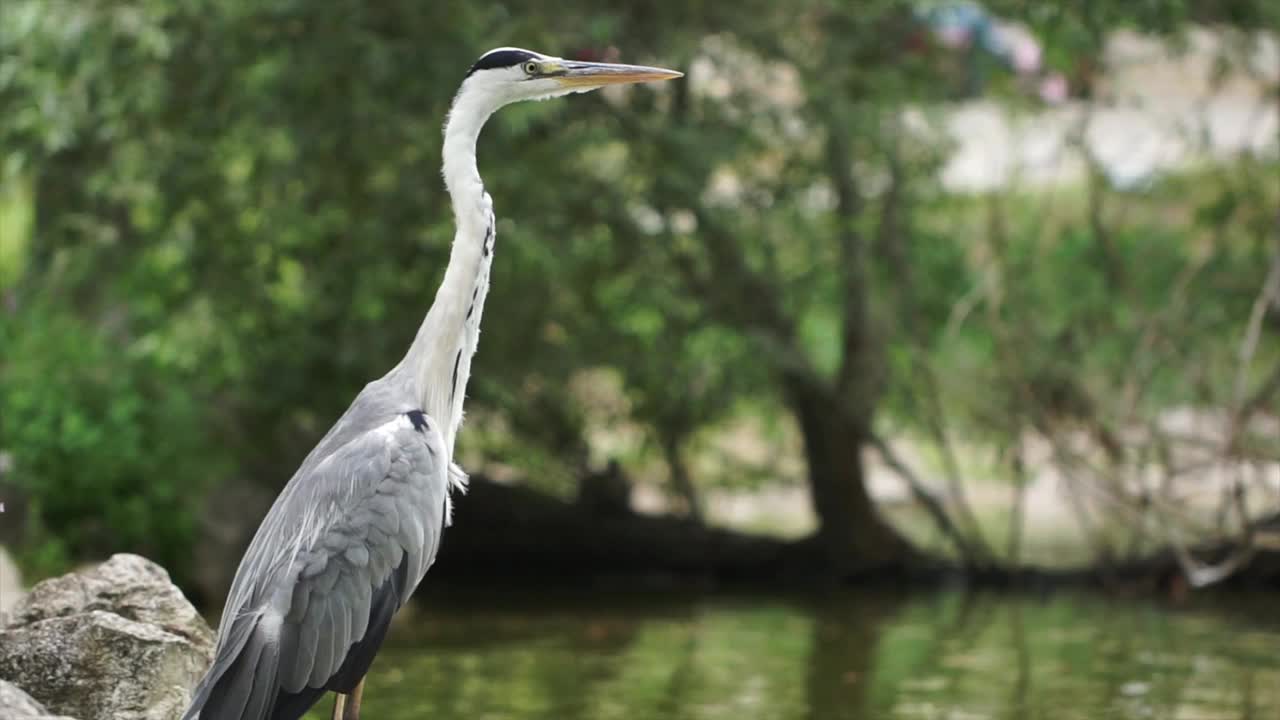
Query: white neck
[(438, 363)]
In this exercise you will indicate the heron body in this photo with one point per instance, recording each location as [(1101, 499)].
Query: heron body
[(359, 524)]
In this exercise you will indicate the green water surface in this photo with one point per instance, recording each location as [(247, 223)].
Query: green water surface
[(939, 655)]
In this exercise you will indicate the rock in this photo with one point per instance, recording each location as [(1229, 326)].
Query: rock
[(115, 642), (99, 665), (130, 586), (17, 705), (10, 583)]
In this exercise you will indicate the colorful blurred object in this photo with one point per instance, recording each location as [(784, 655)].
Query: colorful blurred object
[(968, 27)]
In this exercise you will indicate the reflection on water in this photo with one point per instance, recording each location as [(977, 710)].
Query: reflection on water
[(919, 657)]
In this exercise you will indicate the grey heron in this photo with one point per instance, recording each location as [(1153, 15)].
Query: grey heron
[(353, 532)]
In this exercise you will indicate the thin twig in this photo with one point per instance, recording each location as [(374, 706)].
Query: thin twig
[(927, 500)]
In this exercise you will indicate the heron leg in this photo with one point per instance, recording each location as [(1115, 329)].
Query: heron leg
[(339, 706), (353, 701)]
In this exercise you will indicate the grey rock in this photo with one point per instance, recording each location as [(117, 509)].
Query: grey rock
[(130, 586), (114, 642), (10, 583), (17, 705)]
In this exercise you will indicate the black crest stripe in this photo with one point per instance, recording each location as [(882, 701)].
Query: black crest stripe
[(501, 59)]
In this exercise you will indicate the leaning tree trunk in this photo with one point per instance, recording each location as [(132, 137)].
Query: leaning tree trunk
[(852, 537), (681, 481)]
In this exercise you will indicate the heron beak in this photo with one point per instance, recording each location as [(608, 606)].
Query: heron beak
[(585, 74)]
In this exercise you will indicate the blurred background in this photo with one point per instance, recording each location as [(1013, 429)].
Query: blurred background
[(791, 369)]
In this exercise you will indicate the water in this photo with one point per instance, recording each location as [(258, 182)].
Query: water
[(934, 656)]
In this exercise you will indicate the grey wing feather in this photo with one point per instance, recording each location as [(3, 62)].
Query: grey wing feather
[(315, 623), (360, 597), (343, 547), (299, 671), (262, 696)]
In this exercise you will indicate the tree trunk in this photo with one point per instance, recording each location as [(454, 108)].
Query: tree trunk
[(681, 481), (852, 537)]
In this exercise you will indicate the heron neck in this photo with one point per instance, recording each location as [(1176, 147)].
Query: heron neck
[(438, 363), (467, 117)]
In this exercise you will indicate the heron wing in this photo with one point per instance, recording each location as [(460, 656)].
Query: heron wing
[(367, 524)]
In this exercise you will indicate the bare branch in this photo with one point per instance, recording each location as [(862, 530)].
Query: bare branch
[(927, 500), (1267, 295)]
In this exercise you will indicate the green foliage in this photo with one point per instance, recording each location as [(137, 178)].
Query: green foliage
[(106, 443)]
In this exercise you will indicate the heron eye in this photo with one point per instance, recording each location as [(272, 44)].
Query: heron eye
[(531, 68)]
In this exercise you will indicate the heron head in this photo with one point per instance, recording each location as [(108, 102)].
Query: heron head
[(507, 75)]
